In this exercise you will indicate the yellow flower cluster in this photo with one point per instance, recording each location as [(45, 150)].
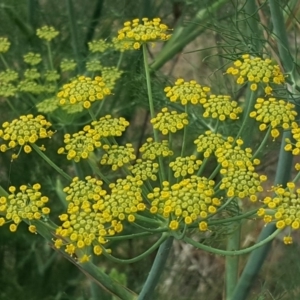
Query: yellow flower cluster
[(32, 58), (23, 132), (83, 90), (29, 86), (283, 208), (166, 121), (220, 107), (188, 201), (47, 33), (145, 169), (187, 91), (28, 204), (93, 65), (117, 156), (84, 224), (4, 44), (209, 142), (274, 113), (151, 149), (294, 145), (239, 178), (257, 70), (51, 75), (135, 33), (93, 215), (109, 126), (183, 166), (80, 144)]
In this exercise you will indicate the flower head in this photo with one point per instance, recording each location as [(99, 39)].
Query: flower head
[(7, 89), (32, 58), (151, 149), (28, 204), (183, 166), (145, 169), (285, 207), (138, 32), (23, 132), (83, 225), (68, 65), (84, 90), (239, 178), (209, 142), (98, 46), (220, 107), (275, 114), (47, 33), (32, 74), (51, 75), (30, 86), (4, 44), (110, 76), (117, 156), (80, 144), (188, 201), (185, 92), (93, 65), (48, 105), (166, 121), (257, 71), (8, 75)]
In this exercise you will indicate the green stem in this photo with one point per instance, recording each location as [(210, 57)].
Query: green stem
[(156, 270), (285, 161), (184, 134), (50, 162), (185, 34), (50, 57), (263, 143), (163, 237), (233, 252), (151, 106), (4, 61), (232, 262), (246, 126), (74, 34)]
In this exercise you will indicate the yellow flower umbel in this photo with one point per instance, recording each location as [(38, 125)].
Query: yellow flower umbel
[(4, 44), (117, 156), (220, 107), (283, 208), (188, 201), (294, 146), (80, 144), (24, 132), (7, 89), (8, 75), (110, 76), (166, 121), (183, 166), (48, 105), (84, 90), (138, 32), (83, 224), (187, 92), (275, 114), (145, 169), (93, 65), (151, 149), (209, 142), (47, 33), (256, 70), (108, 126), (239, 178), (28, 204)]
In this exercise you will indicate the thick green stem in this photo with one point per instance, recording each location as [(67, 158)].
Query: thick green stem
[(74, 34), (50, 162), (284, 166), (50, 58), (232, 262), (156, 270)]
